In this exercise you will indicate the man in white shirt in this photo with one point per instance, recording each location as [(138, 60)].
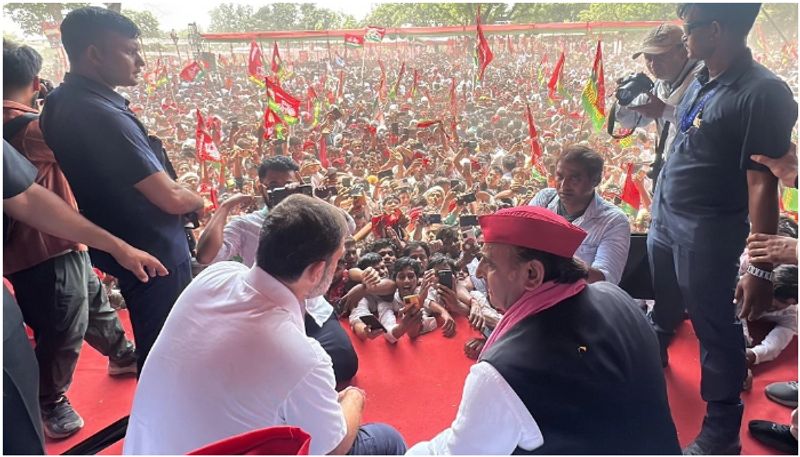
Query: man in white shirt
[(571, 368), (238, 240), (251, 364)]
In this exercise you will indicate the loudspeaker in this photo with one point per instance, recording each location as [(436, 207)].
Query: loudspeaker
[(637, 279)]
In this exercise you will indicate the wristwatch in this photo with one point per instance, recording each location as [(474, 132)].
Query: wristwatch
[(759, 273)]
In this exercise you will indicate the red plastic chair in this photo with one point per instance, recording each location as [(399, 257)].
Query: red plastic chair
[(267, 441)]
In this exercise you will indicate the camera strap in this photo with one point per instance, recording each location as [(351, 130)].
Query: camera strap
[(612, 120)]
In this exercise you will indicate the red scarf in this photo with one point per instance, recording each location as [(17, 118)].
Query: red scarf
[(533, 302)]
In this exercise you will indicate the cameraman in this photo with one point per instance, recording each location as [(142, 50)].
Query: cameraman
[(238, 240), (667, 60)]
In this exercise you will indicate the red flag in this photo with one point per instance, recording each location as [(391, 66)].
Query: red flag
[(255, 67), (510, 48), (428, 123), (630, 194), (323, 152), (190, 72), (536, 148), (204, 144), (485, 55), (600, 104), (276, 59), (400, 74), (554, 79), (271, 121), (353, 40), (311, 95)]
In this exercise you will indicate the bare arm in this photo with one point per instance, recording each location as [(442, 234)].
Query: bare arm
[(47, 212), (352, 402), (212, 238), (168, 195)]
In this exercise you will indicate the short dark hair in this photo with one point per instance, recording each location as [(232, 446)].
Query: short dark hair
[(737, 17), (21, 64), (562, 270), (381, 243), (415, 245), (785, 282), (370, 259), (509, 162), (441, 259), (447, 234), (297, 232), (407, 262), (278, 163), (590, 160), (86, 26)]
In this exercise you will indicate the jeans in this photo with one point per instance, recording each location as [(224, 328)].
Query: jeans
[(332, 337), (378, 439), (149, 304), (701, 278)]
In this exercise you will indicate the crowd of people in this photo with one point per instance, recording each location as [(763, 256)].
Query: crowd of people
[(407, 194)]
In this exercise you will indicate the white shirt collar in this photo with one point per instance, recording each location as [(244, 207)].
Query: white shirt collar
[(275, 293)]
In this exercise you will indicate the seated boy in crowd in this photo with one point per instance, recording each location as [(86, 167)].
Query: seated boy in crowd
[(370, 272)]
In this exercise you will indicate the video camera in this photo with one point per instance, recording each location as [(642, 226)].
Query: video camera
[(630, 87)]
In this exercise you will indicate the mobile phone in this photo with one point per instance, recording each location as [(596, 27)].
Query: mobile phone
[(336, 114), (445, 278), (468, 220), (467, 198), (372, 322), (385, 174), (412, 300), (454, 182), (432, 218), (347, 182), (395, 128)]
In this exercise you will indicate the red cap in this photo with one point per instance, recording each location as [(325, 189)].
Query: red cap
[(532, 227)]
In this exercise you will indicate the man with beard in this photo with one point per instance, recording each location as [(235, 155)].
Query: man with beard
[(252, 365)]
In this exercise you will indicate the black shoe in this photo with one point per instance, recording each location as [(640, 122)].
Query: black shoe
[(784, 393), (60, 420), (697, 447), (774, 435)]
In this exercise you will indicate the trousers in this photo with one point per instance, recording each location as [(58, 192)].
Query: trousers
[(701, 278), (378, 439), (332, 337), (63, 301), (149, 304)]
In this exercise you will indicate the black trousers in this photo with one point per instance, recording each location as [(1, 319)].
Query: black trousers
[(332, 337), (22, 424), (63, 301), (149, 304), (702, 279)]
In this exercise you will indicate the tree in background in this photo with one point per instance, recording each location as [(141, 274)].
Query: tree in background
[(546, 12), (29, 16), (147, 23), (230, 17), (629, 12), (435, 14)]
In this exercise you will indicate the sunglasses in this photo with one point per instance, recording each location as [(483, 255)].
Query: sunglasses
[(688, 27)]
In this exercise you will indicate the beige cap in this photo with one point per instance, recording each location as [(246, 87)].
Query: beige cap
[(660, 40)]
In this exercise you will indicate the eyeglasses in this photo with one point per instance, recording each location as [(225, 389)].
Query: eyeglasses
[(689, 26)]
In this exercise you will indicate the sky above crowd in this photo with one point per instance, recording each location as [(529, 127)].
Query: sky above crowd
[(177, 14)]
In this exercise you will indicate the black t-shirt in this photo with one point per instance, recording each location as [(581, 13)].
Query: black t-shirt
[(18, 175)]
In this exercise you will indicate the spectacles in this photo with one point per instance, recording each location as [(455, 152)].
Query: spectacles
[(689, 26)]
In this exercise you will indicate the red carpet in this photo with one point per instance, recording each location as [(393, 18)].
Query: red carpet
[(416, 386)]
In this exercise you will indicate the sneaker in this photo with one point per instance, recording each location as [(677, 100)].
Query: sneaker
[(122, 368), (115, 300), (776, 436), (784, 393), (60, 420), (698, 447)]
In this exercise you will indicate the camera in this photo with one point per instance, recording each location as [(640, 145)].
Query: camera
[(277, 195), (631, 87)]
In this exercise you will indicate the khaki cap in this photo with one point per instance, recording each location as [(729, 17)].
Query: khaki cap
[(662, 39)]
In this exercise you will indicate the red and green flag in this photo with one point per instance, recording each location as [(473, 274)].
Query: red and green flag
[(354, 41), (536, 147), (255, 64), (631, 199), (192, 71), (283, 104), (204, 143), (594, 94), (789, 200), (374, 34), (273, 125), (393, 92), (382, 83), (555, 84), (414, 84), (278, 68)]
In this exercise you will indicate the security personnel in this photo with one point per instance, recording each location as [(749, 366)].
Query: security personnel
[(709, 196)]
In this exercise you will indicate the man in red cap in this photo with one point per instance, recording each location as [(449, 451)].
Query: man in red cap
[(570, 367)]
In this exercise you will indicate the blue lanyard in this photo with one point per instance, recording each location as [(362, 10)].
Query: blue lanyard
[(690, 116)]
